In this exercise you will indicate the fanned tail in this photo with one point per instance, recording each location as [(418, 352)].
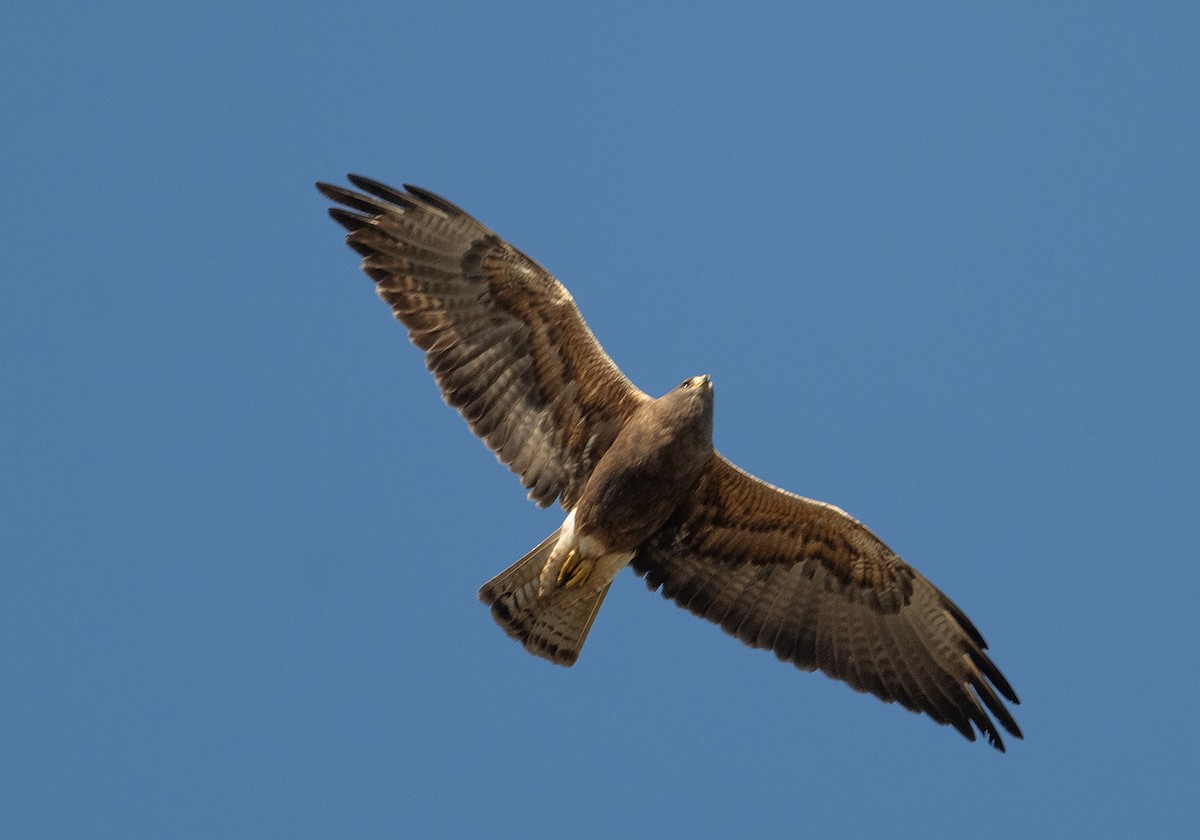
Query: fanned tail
[(554, 625)]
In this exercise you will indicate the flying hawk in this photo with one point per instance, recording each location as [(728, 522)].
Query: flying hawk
[(643, 486)]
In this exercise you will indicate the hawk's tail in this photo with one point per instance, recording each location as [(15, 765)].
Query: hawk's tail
[(553, 625)]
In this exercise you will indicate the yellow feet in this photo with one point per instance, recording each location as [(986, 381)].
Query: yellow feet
[(574, 570)]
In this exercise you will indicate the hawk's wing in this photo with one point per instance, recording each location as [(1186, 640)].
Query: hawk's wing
[(503, 337), (805, 580)]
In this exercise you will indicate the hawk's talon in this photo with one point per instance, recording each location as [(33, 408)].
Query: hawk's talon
[(574, 570)]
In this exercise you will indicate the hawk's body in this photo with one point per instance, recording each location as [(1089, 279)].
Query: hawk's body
[(643, 486), (639, 482)]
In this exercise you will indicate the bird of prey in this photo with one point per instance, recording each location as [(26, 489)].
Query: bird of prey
[(642, 485)]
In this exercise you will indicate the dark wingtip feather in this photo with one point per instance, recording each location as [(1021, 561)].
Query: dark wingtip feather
[(434, 199), (989, 669), (379, 190), (350, 221), (356, 201), (996, 707), (963, 726)]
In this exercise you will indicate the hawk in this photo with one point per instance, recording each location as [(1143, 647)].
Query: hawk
[(642, 485)]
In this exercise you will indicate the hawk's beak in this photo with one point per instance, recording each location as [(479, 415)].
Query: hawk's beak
[(704, 381)]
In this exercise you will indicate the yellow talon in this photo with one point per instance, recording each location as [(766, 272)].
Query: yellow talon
[(574, 570)]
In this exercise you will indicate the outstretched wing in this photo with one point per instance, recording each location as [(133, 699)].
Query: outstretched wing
[(812, 584), (503, 337)]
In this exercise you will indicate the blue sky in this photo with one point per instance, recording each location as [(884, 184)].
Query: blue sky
[(941, 262)]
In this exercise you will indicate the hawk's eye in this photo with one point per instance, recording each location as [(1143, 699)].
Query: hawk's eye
[(687, 383)]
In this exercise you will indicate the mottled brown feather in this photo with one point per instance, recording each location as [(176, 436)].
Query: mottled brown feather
[(808, 582), (503, 337)]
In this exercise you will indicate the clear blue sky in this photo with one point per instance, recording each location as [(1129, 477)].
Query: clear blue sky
[(942, 263)]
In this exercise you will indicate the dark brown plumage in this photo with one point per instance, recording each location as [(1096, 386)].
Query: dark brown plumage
[(643, 486)]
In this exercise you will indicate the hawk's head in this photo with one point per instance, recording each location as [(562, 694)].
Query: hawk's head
[(690, 407)]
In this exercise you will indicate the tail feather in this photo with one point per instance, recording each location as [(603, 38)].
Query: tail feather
[(553, 626)]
